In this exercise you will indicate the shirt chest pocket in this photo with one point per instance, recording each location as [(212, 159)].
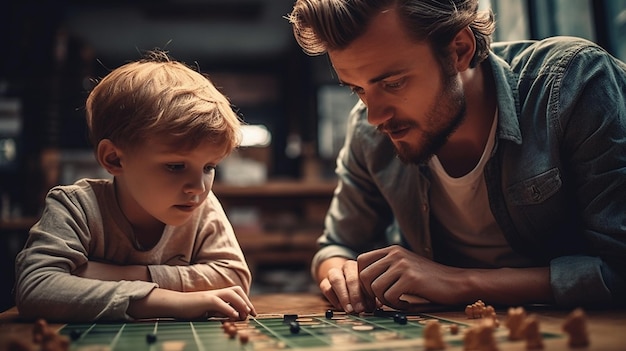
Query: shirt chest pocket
[(537, 189)]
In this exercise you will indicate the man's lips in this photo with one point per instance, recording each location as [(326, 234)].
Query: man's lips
[(397, 133)]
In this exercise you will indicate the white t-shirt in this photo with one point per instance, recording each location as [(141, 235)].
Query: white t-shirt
[(461, 206)]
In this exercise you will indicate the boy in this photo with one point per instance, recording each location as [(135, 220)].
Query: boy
[(153, 241)]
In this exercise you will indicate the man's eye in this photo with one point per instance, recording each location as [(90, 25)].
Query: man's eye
[(353, 89), (395, 84), (175, 167), (209, 169), (356, 90)]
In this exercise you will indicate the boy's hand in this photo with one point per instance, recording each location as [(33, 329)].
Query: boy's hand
[(231, 302)]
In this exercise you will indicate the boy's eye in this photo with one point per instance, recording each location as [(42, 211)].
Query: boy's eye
[(175, 167)]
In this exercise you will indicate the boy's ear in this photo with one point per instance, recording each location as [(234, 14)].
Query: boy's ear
[(109, 157), (463, 49)]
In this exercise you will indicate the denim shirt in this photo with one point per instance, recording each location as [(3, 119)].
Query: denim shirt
[(556, 179)]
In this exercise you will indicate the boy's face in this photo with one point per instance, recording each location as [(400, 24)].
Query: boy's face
[(160, 183)]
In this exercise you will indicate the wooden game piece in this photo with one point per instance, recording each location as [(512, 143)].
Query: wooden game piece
[(47, 338), (530, 331), (576, 327), (39, 329), (52, 341), (454, 329), (231, 330), (16, 344), (470, 341), (469, 311), (476, 310), (433, 338), (244, 337), (329, 314), (514, 322), (486, 339), (490, 312), (480, 337)]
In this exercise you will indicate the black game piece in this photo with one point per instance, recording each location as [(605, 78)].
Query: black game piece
[(294, 327), (151, 338), (288, 318), (401, 319), (329, 314), (379, 312), (75, 334)]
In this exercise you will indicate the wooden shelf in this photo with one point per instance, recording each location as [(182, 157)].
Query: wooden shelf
[(288, 218), (22, 223), (279, 188)]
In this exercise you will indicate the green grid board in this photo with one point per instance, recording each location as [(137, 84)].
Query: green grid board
[(345, 332)]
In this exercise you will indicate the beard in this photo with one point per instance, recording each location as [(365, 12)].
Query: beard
[(443, 118)]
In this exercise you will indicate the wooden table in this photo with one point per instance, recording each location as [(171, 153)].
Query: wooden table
[(607, 328)]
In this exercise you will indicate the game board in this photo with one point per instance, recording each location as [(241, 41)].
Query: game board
[(340, 331)]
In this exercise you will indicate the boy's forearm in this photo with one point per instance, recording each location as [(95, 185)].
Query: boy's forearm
[(158, 303), (111, 272)]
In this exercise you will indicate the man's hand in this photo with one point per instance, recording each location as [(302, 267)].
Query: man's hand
[(340, 284), (390, 272)]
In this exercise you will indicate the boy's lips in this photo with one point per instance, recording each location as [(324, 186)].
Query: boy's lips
[(190, 206)]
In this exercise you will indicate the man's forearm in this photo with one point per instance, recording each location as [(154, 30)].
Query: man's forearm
[(508, 286)]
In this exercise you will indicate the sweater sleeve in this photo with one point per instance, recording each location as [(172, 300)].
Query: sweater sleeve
[(57, 244), (216, 260)]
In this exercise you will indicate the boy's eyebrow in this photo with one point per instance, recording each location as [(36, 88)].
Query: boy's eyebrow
[(378, 78)]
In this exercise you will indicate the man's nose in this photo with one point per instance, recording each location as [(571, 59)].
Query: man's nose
[(378, 109)]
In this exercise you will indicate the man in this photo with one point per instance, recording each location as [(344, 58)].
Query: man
[(501, 168)]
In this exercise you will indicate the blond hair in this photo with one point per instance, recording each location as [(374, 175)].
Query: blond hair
[(163, 98)]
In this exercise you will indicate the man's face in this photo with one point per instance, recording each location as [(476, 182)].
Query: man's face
[(415, 100)]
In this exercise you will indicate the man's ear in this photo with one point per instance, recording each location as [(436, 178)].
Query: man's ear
[(109, 156), (463, 47)]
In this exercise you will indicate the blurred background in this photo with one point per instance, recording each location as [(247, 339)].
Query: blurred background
[(276, 187)]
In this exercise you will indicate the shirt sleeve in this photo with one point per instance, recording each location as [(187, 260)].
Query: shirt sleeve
[(585, 280), (358, 216), (592, 100)]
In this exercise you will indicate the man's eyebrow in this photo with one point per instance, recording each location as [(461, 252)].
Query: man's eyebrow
[(377, 78)]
